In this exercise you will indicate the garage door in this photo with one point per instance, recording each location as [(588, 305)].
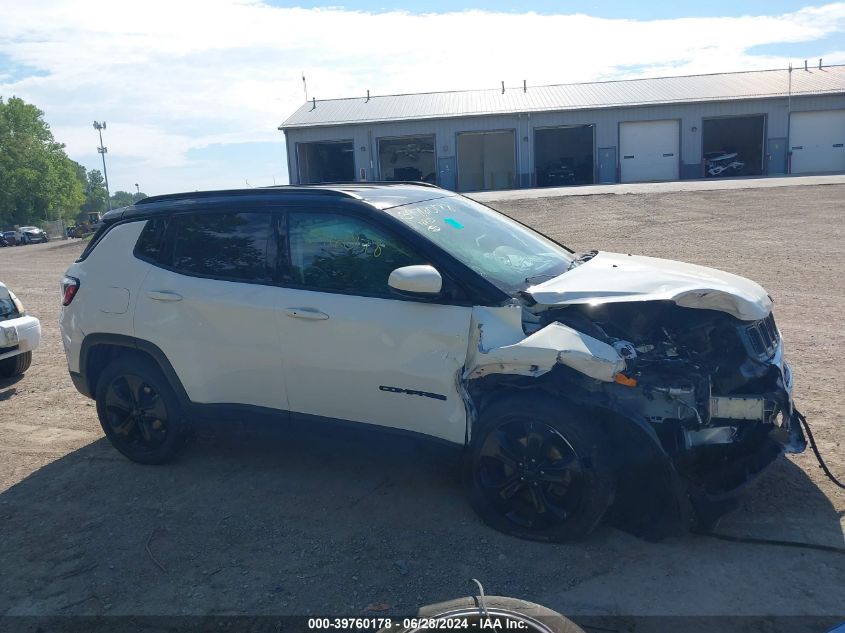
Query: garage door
[(649, 150), (817, 141)]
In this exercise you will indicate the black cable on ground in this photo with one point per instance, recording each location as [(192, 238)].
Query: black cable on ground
[(815, 448), (764, 541)]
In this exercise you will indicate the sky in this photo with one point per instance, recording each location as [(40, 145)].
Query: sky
[(193, 91)]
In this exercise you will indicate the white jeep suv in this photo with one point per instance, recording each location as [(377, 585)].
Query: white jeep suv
[(582, 386)]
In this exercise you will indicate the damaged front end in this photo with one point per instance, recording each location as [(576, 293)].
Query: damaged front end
[(696, 400)]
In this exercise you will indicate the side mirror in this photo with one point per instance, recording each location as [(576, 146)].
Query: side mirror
[(416, 281)]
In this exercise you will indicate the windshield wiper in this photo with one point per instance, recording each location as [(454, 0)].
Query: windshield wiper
[(529, 280)]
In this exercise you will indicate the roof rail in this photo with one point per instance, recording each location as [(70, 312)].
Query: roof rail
[(258, 191), (364, 183)]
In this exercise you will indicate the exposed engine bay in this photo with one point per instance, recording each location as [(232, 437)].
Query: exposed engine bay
[(702, 373)]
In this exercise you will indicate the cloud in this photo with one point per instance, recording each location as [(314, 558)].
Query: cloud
[(172, 78)]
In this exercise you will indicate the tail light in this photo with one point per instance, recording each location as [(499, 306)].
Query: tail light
[(70, 286)]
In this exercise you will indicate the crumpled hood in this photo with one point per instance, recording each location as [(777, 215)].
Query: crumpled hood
[(616, 278)]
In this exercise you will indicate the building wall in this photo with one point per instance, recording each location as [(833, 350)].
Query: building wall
[(605, 120)]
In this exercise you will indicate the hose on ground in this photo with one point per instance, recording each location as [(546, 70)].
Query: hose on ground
[(760, 541), (815, 448)]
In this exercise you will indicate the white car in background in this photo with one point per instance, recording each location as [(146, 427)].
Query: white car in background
[(32, 234), (19, 335)]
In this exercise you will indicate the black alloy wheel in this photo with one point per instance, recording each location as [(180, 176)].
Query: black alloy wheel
[(136, 413), (531, 474), (139, 411), (539, 468)]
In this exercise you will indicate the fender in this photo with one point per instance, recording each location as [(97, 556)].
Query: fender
[(82, 381)]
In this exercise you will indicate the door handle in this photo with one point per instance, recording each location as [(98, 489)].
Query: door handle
[(306, 313), (163, 295)]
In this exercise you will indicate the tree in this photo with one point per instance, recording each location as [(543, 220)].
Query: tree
[(95, 195), (37, 180), (121, 199), (124, 198)]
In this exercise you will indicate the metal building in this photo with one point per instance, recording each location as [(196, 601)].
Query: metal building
[(702, 126)]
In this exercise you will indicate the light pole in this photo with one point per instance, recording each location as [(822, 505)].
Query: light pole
[(103, 151), (137, 188)]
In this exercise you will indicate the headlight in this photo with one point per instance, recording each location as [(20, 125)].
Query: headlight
[(17, 303), (8, 337)]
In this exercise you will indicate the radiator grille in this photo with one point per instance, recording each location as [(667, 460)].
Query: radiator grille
[(761, 338)]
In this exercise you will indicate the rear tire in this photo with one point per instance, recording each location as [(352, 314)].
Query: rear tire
[(139, 411), (15, 365), (539, 469)]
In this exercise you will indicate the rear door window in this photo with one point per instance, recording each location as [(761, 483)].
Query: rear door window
[(231, 246)]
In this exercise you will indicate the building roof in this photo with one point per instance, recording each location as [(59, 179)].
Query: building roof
[(758, 84)]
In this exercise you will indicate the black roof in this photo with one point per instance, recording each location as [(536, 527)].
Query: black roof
[(381, 195)]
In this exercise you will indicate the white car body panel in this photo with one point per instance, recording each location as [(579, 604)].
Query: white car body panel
[(106, 295), (380, 361), (618, 278), (502, 348), (25, 332), (220, 336)]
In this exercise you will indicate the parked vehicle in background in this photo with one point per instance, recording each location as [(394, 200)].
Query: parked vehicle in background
[(4, 241), (722, 164), (19, 335), (580, 386), (32, 234), (87, 226), (560, 173), (13, 237)]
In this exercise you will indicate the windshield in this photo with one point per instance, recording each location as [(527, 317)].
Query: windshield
[(509, 255)]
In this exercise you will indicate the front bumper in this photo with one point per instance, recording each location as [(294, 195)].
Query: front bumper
[(19, 335), (789, 433)]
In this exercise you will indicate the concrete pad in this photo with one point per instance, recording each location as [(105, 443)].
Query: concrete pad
[(713, 184)]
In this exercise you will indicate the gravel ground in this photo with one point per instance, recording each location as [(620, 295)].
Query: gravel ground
[(341, 521)]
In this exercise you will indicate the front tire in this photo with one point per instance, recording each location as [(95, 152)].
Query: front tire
[(15, 365), (539, 469), (139, 411)]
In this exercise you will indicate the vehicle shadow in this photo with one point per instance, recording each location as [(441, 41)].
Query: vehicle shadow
[(326, 519), (6, 388)]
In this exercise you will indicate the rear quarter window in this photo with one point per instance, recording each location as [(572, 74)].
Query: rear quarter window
[(151, 241)]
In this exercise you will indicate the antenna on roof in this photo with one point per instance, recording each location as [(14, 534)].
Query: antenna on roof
[(524, 85), (820, 63), (503, 87), (805, 65), (368, 96)]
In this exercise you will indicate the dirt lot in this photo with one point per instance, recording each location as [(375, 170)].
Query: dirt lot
[(335, 521)]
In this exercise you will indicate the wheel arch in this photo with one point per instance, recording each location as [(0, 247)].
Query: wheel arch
[(651, 499), (98, 350)]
